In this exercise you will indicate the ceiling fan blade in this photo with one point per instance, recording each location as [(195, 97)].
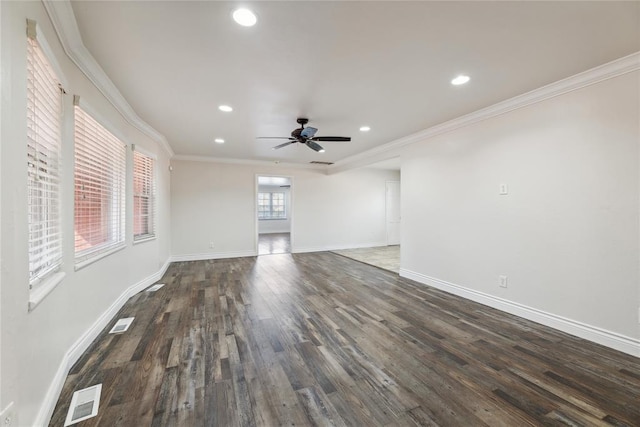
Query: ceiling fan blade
[(314, 146), (276, 137), (332, 138), (308, 132), (282, 145)]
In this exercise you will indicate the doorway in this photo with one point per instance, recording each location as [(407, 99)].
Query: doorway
[(274, 214)]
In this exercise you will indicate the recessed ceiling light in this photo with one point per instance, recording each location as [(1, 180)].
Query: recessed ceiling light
[(460, 80), (225, 108), (365, 129), (245, 17), (219, 141)]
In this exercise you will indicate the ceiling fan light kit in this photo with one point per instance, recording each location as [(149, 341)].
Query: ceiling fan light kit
[(307, 137)]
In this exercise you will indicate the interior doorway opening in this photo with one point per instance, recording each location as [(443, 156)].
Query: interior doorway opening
[(274, 214)]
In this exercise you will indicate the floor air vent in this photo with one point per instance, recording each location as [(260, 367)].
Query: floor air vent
[(321, 163), (121, 325), (84, 405), (155, 287)]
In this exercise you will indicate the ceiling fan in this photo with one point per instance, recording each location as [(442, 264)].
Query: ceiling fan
[(305, 135)]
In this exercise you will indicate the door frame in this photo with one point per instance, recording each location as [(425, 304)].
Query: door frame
[(256, 234), (386, 209)]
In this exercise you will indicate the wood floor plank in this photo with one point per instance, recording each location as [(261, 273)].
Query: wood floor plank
[(322, 340)]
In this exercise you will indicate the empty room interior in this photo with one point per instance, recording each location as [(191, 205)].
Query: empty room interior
[(319, 213)]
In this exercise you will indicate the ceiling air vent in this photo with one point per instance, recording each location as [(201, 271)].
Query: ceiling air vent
[(121, 325), (321, 163), (155, 287), (84, 405)]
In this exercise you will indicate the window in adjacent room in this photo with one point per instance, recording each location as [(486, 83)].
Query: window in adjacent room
[(271, 206), (100, 164), (144, 196), (44, 143)]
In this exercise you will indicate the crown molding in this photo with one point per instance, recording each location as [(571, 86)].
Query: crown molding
[(247, 162), (66, 27), (64, 22), (592, 76)]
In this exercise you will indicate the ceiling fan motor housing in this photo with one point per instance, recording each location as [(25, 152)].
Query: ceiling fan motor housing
[(297, 133), (307, 136)]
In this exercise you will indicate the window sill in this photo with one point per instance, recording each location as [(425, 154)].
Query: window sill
[(43, 289), (144, 239), (82, 264)]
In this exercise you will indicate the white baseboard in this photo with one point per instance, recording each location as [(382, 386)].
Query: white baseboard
[(582, 330), (80, 346), (298, 250), (211, 255), (241, 254)]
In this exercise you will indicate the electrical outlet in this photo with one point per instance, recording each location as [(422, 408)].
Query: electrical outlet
[(8, 416), (503, 281), (504, 189), (211, 245)]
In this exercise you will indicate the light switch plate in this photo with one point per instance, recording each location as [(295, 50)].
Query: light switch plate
[(503, 281)]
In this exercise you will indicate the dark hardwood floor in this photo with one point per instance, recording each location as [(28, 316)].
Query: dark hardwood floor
[(319, 339), (274, 243)]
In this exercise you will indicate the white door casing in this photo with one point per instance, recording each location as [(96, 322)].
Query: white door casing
[(393, 212)]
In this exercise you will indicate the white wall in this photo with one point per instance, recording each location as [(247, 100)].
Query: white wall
[(213, 202), (35, 343), (268, 226), (567, 235)]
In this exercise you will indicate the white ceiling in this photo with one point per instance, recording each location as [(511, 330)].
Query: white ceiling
[(341, 64)]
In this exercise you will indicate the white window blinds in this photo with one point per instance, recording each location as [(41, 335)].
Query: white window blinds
[(100, 164), (144, 196), (44, 121)]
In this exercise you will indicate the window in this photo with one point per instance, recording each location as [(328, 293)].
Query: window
[(44, 142), (99, 188), (144, 196), (271, 206)]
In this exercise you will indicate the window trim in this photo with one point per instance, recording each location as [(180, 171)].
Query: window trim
[(79, 265), (146, 238), (48, 52), (44, 288), (41, 287), (100, 118), (284, 205), (142, 238), (89, 258)]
